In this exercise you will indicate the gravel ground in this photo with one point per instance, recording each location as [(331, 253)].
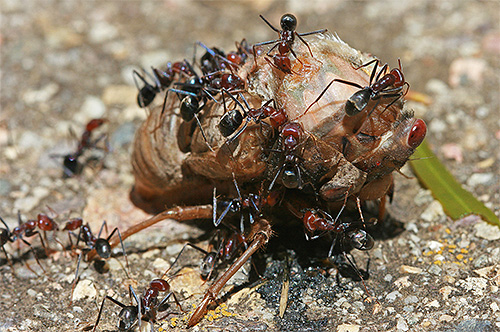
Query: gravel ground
[(66, 62)]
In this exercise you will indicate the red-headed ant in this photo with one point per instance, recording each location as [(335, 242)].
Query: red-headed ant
[(285, 42), (290, 172), (147, 307), (232, 119), (7, 236), (380, 89), (71, 164), (162, 80), (101, 245)]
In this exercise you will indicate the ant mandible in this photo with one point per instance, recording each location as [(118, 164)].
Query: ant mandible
[(285, 42)]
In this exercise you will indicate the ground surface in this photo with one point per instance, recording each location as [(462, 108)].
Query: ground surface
[(65, 62)]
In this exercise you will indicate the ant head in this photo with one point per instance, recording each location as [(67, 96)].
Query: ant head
[(288, 22)]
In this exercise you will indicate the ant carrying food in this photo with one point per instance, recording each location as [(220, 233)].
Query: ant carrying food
[(100, 245), (285, 42)]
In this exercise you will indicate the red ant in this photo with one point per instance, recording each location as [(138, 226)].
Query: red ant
[(147, 306), (376, 91), (7, 236), (232, 120), (162, 80), (316, 220), (285, 42), (101, 245), (291, 136), (71, 165), (239, 56)]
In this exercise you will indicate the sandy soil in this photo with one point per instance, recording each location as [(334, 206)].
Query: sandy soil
[(65, 62)]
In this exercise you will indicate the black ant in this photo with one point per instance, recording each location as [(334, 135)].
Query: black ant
[(147, 307), (318, 222), (71, 164), (162, 80), (376, 91), (285, 42), (100, 245)]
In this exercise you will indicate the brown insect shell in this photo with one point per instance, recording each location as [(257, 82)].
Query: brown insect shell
[(327, 121), (244, 157), (173, 165)]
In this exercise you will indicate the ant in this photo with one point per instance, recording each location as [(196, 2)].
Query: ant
[(71, 165), (100, 245), (316, 220), (292, 136), (285, 42), (380, 88), (239, 56), (43, 222), (7, 236), (232, 120), (162, 80), (223, 247), (147, 306)]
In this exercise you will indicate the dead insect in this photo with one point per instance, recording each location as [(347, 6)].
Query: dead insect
[(337, 156)]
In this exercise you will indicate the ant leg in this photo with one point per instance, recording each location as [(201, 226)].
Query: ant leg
[(260, 234), (118, 303), (324, 91), (203, 132), (127, 270), (9, 261), (75, 280)]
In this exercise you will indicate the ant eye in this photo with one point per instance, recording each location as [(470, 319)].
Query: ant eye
[(417, 134)]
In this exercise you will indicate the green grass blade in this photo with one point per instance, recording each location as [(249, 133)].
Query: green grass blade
[(456, 201)]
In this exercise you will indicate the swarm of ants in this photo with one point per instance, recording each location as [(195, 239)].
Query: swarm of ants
[(299, 129)]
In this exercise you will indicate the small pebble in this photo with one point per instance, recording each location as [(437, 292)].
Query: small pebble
[(480, 179), (433, 212), (487, 231), (410, 269), (392, 296), (348, 328), (83, 289), (434, 269), (402, 325)]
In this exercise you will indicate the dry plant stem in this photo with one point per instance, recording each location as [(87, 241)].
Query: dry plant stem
[(262, 232), (177, 213)]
